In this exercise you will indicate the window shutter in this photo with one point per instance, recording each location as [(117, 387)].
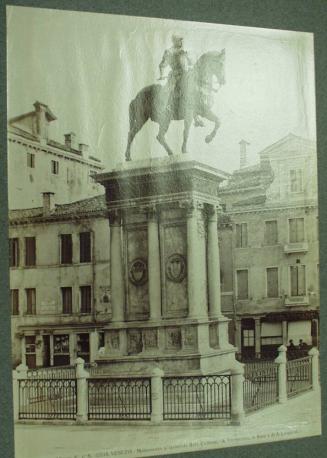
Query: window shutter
[(301, 280), (85, 246), (292, 230), (30, 251), (66, 300), (244, 235), (238, 236), (272, 282), (31, 301), (242, 284), (66, 249), (300, 230)]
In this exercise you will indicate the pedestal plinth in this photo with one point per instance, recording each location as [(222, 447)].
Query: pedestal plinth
[(165, 273)]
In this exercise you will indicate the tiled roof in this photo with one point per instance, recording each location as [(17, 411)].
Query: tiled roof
[(255, 200), (22, 133), (87, 207), (259, 175)]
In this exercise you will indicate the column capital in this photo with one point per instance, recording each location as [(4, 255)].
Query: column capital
[(152, 212), (211, 212), (191, 206), (115, 217)]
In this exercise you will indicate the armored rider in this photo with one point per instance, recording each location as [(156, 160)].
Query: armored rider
[(179, 62)]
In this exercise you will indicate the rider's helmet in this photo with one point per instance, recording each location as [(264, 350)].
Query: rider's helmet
[(177, 41)]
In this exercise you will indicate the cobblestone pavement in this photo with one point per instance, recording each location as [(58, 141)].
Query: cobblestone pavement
[(299, 417)]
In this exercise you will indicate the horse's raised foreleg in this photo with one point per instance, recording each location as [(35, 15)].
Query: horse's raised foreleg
[(208, 114), (187, 125), (163, 127)]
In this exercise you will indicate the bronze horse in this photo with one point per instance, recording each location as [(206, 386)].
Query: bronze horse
[(189, 98)]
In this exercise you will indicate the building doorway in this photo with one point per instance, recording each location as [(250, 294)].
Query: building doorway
[(248, 338), (46, 351), (30, 352)]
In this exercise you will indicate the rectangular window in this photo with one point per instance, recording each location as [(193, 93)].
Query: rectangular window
[(67, 300), (296, 230), (272, 282), (296, 180), (30, 251), (30, 344), (14, 298), (242, 284), (14, 252), (55, 167), (241, 235), (31, 160), (30, 301), (85, 247), (83, 346), (85, 293), (271, 237), (248, 337), (298, 287), (66, 248), (61, 344)]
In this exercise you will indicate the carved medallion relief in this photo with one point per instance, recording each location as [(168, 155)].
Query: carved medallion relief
[(174, 266), (137, 272)]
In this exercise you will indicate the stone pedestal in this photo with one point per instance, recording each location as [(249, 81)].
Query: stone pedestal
[(165, 272)]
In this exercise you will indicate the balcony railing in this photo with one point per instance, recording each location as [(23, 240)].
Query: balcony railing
[(296, 300), (296, 247)]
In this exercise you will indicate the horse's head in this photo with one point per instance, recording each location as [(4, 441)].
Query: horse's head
[(212, 64), (218, 66)]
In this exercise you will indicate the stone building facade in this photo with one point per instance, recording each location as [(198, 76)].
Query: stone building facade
[(59, 280), (270, 248), (269, 263), (37, 163)]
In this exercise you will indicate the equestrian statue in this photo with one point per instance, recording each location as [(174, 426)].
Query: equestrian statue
[(187, 95)]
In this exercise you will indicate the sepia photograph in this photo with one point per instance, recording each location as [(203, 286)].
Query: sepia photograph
[(163, 234)]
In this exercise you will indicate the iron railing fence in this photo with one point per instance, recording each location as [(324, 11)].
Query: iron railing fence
[(299, 375), (47, 399), (119, 399), (53, 372), (260, 386), (197, 397)]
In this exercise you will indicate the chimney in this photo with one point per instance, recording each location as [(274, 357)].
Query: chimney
[(70, 140), (243, 159), (43, 116), (48, 202), (83, 148)]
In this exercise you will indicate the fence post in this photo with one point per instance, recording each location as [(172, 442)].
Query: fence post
[(82, 391), (156, 395), (314, 353), (281, 360), (19, 374), (237, 405)]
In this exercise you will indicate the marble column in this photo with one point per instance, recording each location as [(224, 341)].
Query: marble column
[(154, 265), (23, 351), (213, 265), (94, 345), (72, 348), (51, 350), (238, 335), (116, 267), (257, 336), (196, 262), (284, 333)]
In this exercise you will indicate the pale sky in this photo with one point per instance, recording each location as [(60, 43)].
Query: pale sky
[(87, 67)]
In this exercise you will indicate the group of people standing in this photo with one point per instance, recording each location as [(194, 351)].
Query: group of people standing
[(297, 351)]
